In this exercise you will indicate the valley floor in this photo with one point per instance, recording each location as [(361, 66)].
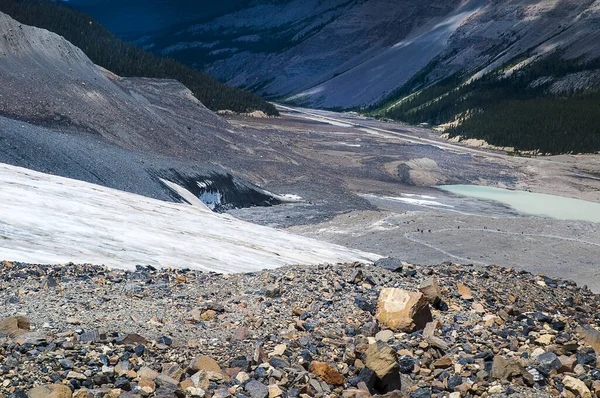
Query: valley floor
[(405, 164)]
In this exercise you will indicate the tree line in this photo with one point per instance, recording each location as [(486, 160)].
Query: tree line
[(510, 110)]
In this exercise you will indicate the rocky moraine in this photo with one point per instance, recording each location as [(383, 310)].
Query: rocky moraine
[(353, 330)]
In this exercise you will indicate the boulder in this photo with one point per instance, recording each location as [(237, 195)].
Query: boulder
[(326, 373), (567, 364), (15, 326), (381, 358), (402, 310), (577, 387), (51, 391), (203, 362), (431, 290), (590, 336), (548, 362), (391, 264), (509, 369)]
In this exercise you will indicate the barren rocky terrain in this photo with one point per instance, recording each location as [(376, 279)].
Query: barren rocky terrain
[(330, 330)]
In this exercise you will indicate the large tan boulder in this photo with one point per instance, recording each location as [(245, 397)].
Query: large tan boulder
[(15, 326), (402, 310), (50, 391)]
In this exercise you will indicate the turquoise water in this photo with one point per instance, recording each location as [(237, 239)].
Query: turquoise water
[(536, 204)]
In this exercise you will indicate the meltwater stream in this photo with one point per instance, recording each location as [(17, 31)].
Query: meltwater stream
[(536, 204)]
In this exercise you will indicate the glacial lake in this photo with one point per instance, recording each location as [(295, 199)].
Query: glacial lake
[(536, 204)]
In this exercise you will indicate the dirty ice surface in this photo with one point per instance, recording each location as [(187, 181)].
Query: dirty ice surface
[(50, 219)]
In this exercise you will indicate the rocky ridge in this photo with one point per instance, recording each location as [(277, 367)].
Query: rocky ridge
[(332, 330)]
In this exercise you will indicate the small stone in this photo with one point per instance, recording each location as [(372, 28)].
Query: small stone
[(256, 389), (76, 375), (147, 373), (402, 310), (545, 339), (384, 335), (242, 377), (275, 391), (201, 380), (509, 368), (272, 291), (390, 264), (49, 283), (407, 364), (464, 291), (172, 370), (147, 385), (203, 362), (73, 321), (166, 340), (83, 393), (590, 336), (66, 363), (165, 381), (356, 276), (443, 363), (548, 362), (478, 308), (208, 315), (326, 373), (278, 350)]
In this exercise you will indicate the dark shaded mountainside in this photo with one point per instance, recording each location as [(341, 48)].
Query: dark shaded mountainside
[(123, 133), (125, 59), (516, 73)]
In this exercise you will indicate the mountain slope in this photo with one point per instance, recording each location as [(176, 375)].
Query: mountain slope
[(345, 53), (107, 50)]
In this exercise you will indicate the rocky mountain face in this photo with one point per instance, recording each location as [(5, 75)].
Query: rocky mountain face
[(47, 80), (350, 53)]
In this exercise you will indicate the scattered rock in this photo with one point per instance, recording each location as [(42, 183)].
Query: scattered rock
[(15, 326), (431, 290), (51, 391), (464, 291), (256, 389), (203, 362), (590, 336), (510, 369), (390, 264), (272, 291), (326, 373), (577, 386), (381, 358)]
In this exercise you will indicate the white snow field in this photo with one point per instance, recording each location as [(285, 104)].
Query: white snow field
[(50, 219)]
